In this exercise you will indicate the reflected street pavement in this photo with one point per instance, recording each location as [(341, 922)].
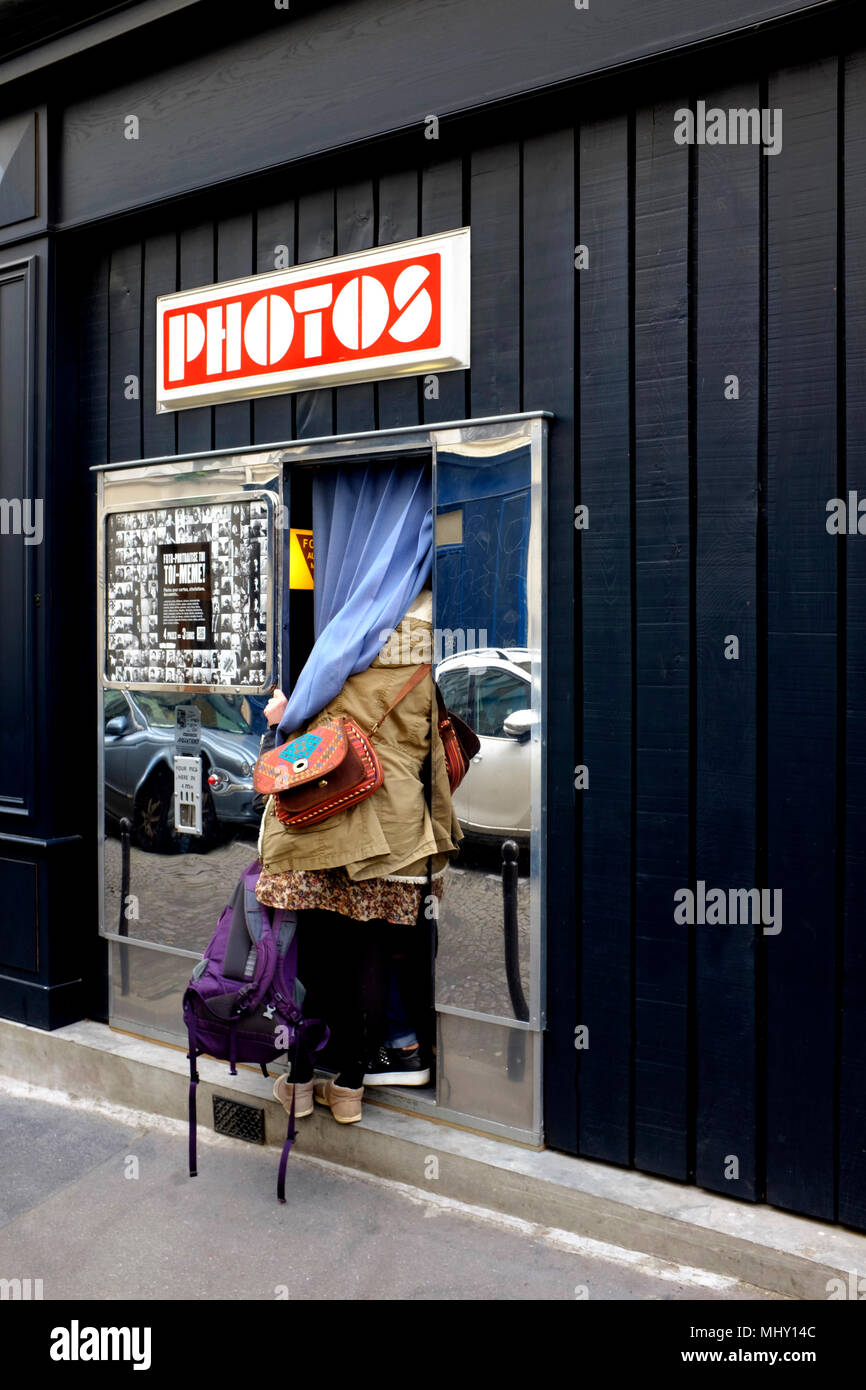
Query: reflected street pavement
[(175, 900)]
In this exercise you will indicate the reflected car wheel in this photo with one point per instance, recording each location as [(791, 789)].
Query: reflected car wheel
[(152, 829), (212, 832), (153, 824)]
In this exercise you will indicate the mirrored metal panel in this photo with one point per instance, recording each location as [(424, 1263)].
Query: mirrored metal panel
[(189, 595), (488, 608), (489, 1072), (180, 723), (172, 847), (145, 986)]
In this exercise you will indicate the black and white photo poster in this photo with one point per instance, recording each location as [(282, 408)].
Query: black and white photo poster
[(184, 595), (187, 595)]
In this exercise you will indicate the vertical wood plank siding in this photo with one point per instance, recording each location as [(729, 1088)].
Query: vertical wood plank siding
[(663, 546), (727, 342), (124, 380), (720, 1054), (851, 1075), (549, 351), (607, 992), (802, 640)]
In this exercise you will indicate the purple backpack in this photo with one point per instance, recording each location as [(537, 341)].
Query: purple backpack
[(243, 1002)]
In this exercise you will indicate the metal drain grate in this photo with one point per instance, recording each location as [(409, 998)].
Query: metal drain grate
[(238, 1121)]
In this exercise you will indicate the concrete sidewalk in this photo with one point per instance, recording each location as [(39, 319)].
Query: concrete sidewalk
[(99, 1205), (620, 1216)]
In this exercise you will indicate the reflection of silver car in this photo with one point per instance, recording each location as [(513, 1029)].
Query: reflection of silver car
[(139, 731), (491, 689)]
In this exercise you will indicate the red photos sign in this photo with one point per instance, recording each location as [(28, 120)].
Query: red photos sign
[(390, 311)]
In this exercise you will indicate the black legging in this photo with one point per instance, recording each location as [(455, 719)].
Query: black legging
[(344, 966)]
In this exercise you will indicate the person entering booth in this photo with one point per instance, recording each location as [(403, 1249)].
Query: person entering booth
[(367, 874)]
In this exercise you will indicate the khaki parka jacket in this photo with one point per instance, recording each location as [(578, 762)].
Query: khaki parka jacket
[(393, 832)]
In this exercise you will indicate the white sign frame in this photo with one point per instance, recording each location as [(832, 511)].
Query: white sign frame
[(452, 353)]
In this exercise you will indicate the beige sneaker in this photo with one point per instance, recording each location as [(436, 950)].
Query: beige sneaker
[(345, 1104), (303, 1100)]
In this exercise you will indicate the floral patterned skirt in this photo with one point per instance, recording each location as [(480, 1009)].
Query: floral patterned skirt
[(388, 899)]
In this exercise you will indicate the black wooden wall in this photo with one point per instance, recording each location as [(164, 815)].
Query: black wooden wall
[(242, 89), (717, 1054)]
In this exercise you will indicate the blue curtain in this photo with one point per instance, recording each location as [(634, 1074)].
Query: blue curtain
[(373, 538)]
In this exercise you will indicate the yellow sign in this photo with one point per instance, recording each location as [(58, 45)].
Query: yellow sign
[(301, 563)]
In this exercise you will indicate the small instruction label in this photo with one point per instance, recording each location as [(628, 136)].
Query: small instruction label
[(187, 796), (187, 729)]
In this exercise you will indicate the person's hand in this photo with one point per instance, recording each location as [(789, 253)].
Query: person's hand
[(276, 707)]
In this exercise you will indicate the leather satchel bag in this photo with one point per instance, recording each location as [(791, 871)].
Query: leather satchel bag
[(459, 741), (327, 769)]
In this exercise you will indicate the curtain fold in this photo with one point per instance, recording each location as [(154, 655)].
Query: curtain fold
[(373, 538)]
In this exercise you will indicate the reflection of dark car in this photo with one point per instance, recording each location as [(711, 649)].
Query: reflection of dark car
[(139, 744)]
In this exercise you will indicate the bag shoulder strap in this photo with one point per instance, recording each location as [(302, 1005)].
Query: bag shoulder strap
[(415, 679)]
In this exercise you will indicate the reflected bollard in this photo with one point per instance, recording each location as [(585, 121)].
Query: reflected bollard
[(122, 927), (516, 1060), (510, 854)]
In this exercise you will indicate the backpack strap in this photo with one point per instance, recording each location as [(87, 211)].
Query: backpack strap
[(290, 1134), (193, 1082), (253, 913), (263, 934), (415, 679), (284, 926)]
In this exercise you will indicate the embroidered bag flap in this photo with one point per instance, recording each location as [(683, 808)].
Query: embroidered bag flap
[(309, 756)]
